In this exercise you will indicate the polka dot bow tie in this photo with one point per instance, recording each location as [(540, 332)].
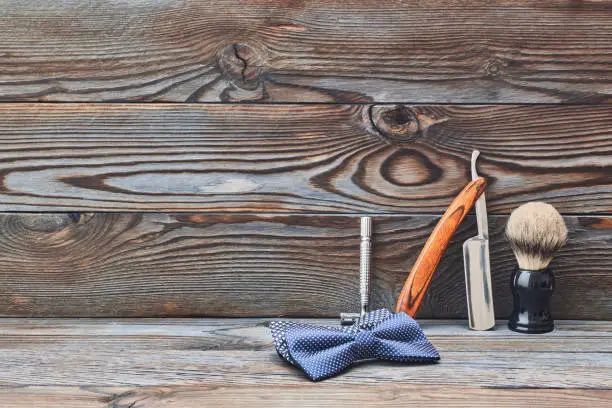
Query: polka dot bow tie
[(322, 352)]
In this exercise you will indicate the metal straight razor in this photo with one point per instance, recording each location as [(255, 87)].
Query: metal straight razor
[(477, 267)]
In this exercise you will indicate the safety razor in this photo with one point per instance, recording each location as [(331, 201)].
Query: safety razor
[(365, 253)]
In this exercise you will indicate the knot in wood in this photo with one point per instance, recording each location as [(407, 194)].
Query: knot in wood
[(45, 222), (242, 64), (494, 67), (398, 123)]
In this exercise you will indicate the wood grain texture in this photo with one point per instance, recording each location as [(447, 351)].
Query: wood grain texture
[(297, 395), (301, 158), (303, 51), (238, 353), (109, 264)]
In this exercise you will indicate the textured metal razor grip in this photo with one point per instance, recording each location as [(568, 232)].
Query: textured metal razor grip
[(365, 253)]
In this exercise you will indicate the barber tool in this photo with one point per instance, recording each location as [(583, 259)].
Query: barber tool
[(535, 232), (324, 351), (365, 251), (420, 276), (481, 315)]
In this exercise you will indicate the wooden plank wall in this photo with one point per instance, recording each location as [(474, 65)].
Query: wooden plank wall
[(188, 158)]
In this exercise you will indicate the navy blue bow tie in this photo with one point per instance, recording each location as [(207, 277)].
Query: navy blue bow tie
[(326, 351)]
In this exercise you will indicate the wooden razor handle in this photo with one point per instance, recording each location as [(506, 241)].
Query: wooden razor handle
[(420, 276)]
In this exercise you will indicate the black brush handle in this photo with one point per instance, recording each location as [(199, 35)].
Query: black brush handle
[(532, 291)]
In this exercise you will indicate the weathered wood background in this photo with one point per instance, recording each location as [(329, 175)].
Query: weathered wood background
[(395, 159), (282, 122), (436, 51), (262, 265)]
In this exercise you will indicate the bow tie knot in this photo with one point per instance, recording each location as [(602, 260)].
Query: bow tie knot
[(325, 351), (366, 345)]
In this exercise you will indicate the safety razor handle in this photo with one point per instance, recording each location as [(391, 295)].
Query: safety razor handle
[(365, 252), (418, 280)]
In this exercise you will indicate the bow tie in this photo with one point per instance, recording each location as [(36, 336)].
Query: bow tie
[(322, 352)]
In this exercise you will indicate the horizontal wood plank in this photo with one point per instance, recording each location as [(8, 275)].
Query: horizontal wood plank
[(303, 395), (74, 367), (238, 353), (301, 158), (246, 333), (111, 264), (316, 50)]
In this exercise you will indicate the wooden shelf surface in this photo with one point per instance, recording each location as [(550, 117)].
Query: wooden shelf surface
[(231, 362)]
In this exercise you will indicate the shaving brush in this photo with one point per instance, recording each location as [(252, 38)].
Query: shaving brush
[(535, 232)]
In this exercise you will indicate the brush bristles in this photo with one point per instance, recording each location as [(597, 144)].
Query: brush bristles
[(535, 232)]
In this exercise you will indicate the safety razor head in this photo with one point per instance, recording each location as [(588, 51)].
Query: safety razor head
[(347, 319), (352, 318)]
